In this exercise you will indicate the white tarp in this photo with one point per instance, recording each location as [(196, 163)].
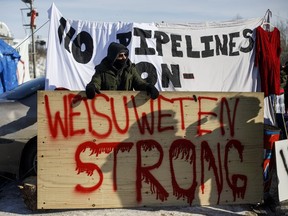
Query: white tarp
[(174, 57), (22, 46)]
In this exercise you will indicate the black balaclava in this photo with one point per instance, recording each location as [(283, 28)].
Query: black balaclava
[(113, 50), (119, 63)]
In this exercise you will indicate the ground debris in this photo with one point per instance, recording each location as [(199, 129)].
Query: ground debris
[(28, 190)]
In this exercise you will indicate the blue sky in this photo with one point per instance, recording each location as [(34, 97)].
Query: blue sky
[(171, 11)]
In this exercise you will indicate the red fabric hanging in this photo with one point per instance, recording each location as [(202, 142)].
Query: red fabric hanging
[(267, 59)]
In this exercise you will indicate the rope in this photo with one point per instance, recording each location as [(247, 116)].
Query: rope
[(31, 34), (283, 18)]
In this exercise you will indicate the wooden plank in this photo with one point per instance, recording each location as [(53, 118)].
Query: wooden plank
[(122, 149)]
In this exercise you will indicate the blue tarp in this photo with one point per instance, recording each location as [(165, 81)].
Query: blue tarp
[(9, 58)]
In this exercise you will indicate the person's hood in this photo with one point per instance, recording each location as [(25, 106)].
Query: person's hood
[(113, 50)]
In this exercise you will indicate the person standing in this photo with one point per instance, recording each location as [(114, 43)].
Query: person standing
[(117, 72), (283, 83), (280, 99)]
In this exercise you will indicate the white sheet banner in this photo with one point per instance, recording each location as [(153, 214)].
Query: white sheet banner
[(173, 57)]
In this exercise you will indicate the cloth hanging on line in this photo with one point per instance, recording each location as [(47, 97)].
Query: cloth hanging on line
[(267, 59)]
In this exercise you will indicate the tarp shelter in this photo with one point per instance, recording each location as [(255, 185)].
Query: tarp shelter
[(9, 58)]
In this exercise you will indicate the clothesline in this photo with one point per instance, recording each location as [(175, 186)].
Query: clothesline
[(283, 18)]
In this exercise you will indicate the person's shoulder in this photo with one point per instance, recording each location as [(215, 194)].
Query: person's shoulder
[(130, 64), (102, 66), (131, 67)]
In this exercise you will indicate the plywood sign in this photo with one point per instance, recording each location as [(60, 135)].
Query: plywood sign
[(122, 149)]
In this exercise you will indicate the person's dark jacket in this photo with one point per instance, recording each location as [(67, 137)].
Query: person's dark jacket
[(110, 75)]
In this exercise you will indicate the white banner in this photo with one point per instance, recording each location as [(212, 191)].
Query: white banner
[(173, 57)]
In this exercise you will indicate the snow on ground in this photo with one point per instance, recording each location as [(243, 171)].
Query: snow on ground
[(11, 203)]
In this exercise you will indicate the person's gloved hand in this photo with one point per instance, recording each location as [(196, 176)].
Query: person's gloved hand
[(91, 90), (152, 91)]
